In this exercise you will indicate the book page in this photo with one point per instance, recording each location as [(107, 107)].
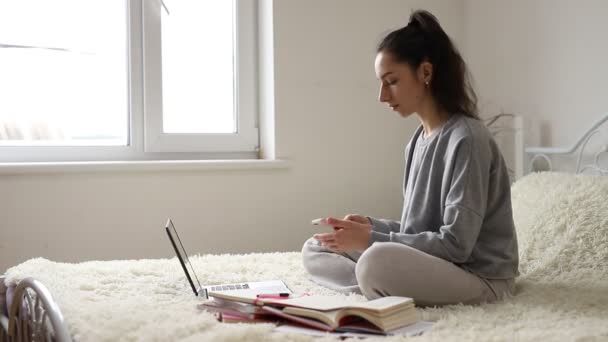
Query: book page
[(383, 303), (327, 303), (334, 318), (415, 329), (328, 317)]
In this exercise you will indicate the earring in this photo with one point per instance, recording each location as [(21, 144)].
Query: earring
[(426, 83)]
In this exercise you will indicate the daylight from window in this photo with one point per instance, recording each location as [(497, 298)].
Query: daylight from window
[(198, 72), (64, 72)]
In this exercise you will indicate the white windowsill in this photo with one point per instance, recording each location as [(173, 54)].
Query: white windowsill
[(141, 166)]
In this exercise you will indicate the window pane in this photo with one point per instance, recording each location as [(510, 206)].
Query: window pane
[(198, 72), (64, 72)]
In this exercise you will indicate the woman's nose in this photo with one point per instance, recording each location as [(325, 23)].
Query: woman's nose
[(384, 95)]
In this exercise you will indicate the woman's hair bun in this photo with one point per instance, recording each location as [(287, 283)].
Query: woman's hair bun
[(425, 21)]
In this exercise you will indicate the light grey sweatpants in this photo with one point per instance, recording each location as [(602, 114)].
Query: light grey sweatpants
[(394, 269)]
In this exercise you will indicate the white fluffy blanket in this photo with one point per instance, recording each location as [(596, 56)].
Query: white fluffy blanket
[(562, 294)]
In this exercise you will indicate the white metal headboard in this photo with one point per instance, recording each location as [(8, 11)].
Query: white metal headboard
[(545, 154), (508, 131)]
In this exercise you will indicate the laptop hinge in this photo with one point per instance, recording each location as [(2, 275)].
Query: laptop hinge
[(202, 292)]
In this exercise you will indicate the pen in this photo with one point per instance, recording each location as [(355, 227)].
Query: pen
[(280, 295)]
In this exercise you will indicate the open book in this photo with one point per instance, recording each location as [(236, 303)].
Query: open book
[(335, 313)]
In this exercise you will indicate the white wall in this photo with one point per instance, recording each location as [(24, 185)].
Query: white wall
[(542, 59), (346, 153)]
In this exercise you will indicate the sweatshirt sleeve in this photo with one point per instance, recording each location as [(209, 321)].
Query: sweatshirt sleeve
[(463, 212), (384, 226)]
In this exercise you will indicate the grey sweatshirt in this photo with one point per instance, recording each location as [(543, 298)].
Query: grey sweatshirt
[(457, 200)]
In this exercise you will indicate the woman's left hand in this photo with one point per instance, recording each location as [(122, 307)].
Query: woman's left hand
[(347, 236)]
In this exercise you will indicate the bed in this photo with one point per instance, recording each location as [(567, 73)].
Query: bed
[(562, 293)]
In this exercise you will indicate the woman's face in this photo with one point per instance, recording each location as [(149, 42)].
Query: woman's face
[(401, 87)]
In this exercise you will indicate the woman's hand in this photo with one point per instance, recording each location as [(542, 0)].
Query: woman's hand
[(350, 234), (357, 218)]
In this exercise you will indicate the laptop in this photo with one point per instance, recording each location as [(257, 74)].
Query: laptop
[(266, 286)]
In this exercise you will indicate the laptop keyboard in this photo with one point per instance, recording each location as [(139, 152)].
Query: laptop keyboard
[(229, 287)]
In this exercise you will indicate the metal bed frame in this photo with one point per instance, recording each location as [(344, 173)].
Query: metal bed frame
[(34, 315), (545, 153)]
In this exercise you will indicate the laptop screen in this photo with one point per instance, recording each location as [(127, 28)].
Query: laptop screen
[(183, 257)]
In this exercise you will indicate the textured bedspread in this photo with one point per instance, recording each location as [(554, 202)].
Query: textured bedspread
[(562, 294)]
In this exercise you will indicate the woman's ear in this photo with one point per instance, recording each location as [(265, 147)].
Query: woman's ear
[(425, 72)]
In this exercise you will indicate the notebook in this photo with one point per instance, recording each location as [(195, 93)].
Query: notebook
[(251, 287)]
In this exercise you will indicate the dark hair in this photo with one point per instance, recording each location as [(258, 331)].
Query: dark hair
[(423, 39)]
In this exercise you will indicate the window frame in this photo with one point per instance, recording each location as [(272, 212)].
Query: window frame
[(246, 137), (146, 140)]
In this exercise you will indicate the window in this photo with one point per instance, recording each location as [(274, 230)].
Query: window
[(127, 80), (62, 86)]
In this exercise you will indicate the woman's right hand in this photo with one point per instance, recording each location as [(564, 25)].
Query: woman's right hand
[(350, 234), (357, 218)]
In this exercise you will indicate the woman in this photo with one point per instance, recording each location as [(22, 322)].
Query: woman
[(456, 240)]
